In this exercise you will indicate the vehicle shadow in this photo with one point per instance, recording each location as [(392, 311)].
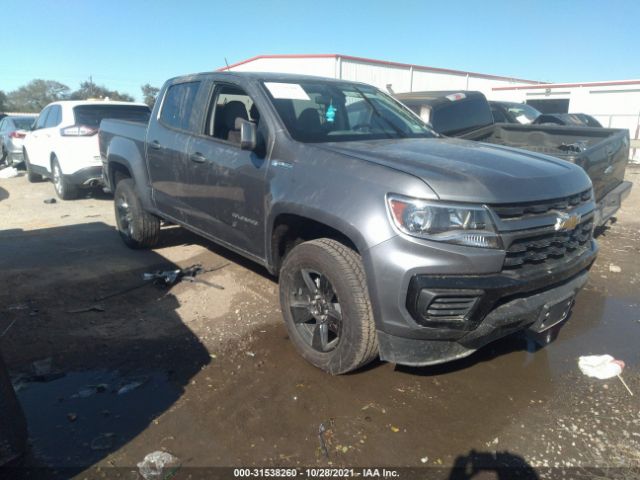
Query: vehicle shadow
[(4, 194), (96, 353), (503, 465)]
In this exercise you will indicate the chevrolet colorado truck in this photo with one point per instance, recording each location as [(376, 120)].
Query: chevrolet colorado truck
[(387, 239), (602, 152)]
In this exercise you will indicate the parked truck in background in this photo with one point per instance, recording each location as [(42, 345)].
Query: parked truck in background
[(387, 239), (602, 152)]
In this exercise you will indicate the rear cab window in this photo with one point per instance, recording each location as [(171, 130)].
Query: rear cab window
[(92, 115), (461, 115)]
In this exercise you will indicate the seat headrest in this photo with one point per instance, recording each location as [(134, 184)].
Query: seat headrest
[(232, 111)]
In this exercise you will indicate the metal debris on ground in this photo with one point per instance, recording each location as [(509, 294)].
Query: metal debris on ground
[(323, 444), (602, 367), (9, 172), (171, 277), (158, 465), (92, 308), (49, 201), (131, 386), (8, 328), (103, 441)]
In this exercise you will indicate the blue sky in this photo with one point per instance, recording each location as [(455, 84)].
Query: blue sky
[(124, 44)]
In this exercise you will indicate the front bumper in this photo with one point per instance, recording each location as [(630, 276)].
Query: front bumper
[(610, 204), (86, 177), (506, 303)]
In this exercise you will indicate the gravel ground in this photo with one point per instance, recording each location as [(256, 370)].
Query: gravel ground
[(209, 375)]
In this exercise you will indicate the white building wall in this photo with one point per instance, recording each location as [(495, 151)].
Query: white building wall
[(401, 78), (322, 67)]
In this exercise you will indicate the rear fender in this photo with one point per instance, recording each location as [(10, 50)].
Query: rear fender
[(125, 153)]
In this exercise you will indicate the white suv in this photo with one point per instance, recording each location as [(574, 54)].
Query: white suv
[(63, 145)]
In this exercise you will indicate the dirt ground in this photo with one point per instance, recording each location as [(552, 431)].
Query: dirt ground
[(110, 368)]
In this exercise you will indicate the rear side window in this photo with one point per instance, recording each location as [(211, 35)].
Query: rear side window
[(178, 105), (92, 115)]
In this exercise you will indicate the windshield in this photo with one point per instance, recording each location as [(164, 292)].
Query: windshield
[(522, 112), (316, 111), (92, 115), (23, 123)]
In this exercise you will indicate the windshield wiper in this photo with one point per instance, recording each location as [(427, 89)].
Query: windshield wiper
[(375, 110)]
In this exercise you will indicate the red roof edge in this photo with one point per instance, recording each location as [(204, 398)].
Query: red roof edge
[(382, 62), (569, 85)]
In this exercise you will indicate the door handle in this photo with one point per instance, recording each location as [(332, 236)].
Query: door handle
[(155, 145), (198, 158)]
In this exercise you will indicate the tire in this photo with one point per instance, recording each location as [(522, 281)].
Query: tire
[(32, 177), (137, 227), (64, 189), (349, 339), (4, 157)]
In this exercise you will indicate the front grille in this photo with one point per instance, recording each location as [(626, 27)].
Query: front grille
[(550, 248), (450, 308), (517, 211)]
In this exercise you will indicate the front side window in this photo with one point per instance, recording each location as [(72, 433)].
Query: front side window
[(316, 111), (42, 118), (230, 105), (54, 118), (177, 105)]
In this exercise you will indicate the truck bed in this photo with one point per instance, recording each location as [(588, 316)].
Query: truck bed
[(602, 152)]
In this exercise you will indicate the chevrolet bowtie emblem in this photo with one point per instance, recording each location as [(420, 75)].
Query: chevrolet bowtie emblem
[(565, 221)]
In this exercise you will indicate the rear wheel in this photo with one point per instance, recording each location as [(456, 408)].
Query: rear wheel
[(32, 177), (326, 307), (64, 189), (137, 227), (4, 157)]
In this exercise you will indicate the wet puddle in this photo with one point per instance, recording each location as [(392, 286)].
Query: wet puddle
[(77, 418)]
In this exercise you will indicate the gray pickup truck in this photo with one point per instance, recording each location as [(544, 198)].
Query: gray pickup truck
[(602, 152), (387, 239)]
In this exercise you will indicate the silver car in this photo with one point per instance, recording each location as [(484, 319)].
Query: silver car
[(13, 129)]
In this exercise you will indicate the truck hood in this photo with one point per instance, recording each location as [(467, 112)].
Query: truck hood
[(465, 171)]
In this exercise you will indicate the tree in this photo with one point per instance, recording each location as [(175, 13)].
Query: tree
[(89, 89), (37, 94), (149, 93), (3, 102)]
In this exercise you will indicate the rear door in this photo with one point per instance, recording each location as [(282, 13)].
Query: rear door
[(227, 184), (35, 145), (167, 141)]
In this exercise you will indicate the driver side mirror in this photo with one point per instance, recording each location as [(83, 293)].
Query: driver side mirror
[(248, 135)]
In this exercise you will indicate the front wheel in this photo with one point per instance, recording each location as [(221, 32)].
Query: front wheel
[(326, 306), (137, 227)]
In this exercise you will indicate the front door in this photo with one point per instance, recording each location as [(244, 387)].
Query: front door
[(227, 184)]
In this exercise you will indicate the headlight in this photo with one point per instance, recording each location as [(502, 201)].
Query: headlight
[(459, 224)]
